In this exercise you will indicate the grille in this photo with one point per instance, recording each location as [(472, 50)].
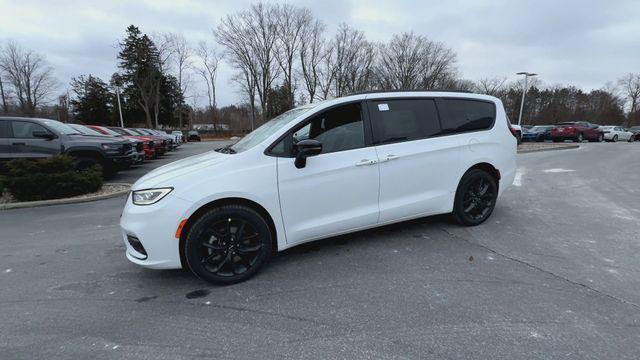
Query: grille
[(139, 147), (126, 148)]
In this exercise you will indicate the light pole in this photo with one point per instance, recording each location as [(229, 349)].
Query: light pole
[(524, 91), (119, 107)]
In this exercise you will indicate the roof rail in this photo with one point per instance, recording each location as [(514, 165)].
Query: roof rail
[(409, 90)]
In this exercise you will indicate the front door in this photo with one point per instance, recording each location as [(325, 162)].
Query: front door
[(337, 190), (25, 145)]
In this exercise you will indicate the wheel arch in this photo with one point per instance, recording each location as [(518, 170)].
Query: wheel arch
[(489, 168), (222, 202)]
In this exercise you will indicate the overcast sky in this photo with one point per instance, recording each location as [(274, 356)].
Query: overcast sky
[(585, 43)]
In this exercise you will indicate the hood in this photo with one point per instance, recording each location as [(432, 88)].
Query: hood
[(164, 175), (96, 139)]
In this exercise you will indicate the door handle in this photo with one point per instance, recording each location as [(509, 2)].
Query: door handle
[(390, 157), (366, 162), (17, 144)]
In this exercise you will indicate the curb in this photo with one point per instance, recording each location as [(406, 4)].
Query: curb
[(29, 204), (567, 147)]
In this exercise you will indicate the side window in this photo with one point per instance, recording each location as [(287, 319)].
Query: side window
[(468, 115), (338, 129), (403, 120), (5, 131), (23, 129)]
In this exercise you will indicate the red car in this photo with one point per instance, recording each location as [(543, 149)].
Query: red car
[(148, 144), (577, 131)]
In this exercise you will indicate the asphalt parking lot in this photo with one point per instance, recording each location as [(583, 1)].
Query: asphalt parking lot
[(554, 273)]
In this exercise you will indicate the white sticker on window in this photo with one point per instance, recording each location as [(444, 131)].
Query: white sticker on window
[(383, 107)]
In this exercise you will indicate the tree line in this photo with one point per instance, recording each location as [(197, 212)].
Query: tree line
[(282, 56)]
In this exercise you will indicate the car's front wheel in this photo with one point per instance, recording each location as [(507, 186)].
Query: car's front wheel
[(475, 198), (228, 244)]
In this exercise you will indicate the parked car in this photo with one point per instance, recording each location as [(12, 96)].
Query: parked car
[(577, 131), (38, 138), (636, 132), (538, 133), (137, 155), (194, 136), (148, 147), (321, 170), (171, 146), (615, 133), (151, 147), (162, 142), (178, 135)]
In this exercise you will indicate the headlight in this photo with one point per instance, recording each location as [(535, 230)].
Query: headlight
[(149, 196), (111, 146)]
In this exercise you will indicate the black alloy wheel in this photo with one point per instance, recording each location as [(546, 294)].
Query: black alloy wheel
[(475, 198), (228, 244)]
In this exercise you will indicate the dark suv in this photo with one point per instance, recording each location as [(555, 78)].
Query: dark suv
[(39, 138)]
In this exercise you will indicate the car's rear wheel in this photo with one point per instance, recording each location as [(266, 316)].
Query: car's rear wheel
[(600, 138), (228, 244), (631, 138), (580, 138), (475, 198)]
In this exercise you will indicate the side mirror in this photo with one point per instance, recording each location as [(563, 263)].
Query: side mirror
[(43, 135), (306, 148)]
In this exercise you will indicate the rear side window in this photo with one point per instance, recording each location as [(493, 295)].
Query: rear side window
[(5, 131), (403, 120), (467, 115)]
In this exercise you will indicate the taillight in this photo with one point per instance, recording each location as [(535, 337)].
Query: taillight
[(514, 132)]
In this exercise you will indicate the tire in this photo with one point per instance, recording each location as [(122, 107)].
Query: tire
[(85, 162), (600, 138), (475, 198), (615, 138), (580, 138), (631, 139), (219, 250), (556, 140)]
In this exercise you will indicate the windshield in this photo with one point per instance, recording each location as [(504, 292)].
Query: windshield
[(267, 129), (85, 130), (109, 131), (118, 130), (61, 128)]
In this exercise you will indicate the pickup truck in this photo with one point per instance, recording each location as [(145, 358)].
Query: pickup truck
[(38, 138)]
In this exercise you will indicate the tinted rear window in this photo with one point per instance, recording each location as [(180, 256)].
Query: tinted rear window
[(467, 115), (403, 120)]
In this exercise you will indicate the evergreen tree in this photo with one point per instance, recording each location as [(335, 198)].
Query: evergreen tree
[(93, 102)]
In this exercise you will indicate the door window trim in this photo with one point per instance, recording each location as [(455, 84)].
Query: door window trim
[(368, 135)]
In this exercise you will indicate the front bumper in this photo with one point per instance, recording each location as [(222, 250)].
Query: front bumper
[(154, 226)]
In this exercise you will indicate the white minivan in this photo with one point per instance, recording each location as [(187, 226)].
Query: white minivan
[(320, 170)]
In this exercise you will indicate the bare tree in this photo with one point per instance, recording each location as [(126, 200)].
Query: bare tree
[(250, 38), (494, 86), (312, 54), (3, 95), (411, 61), (29, 75), (179, 54), (292, 25), (630, 85), (208, 69), (352, 61)]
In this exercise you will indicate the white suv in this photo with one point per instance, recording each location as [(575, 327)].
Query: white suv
[(321, 170)]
